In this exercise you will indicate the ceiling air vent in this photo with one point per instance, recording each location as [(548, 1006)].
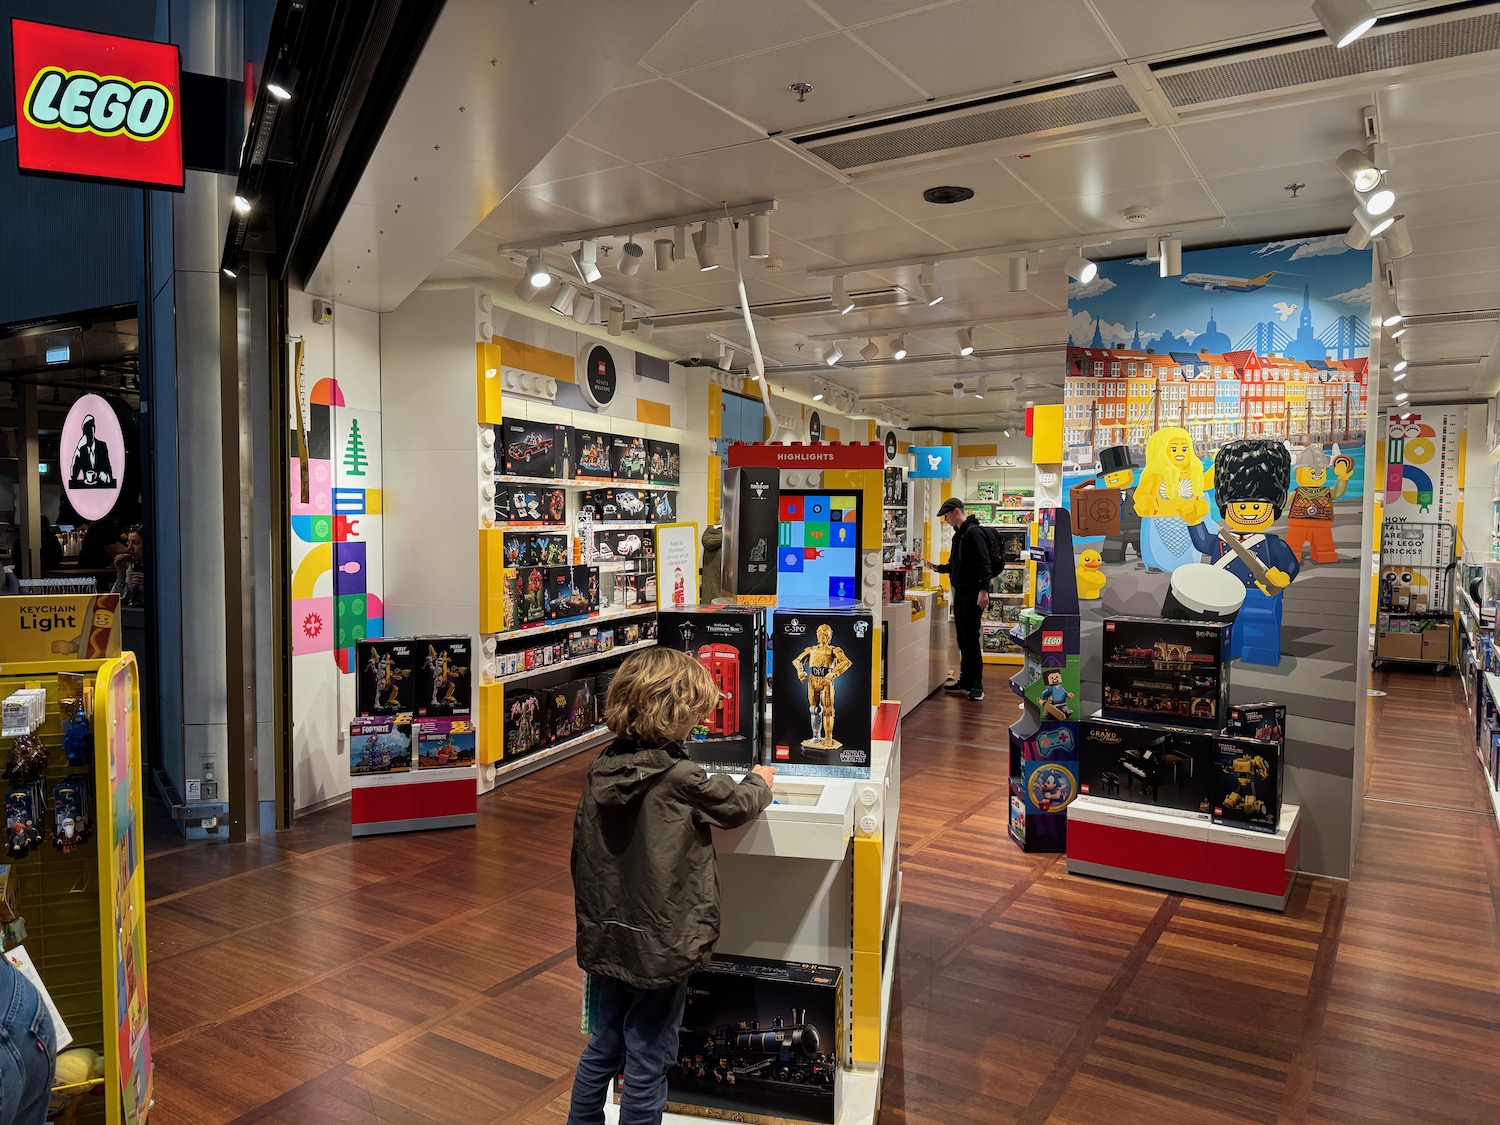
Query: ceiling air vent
[(1226, 79), (1068, 106)]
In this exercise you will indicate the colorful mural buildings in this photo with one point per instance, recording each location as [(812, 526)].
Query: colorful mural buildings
[(1119, 396)]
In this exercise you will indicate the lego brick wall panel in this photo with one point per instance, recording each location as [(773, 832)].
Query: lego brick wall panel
[(487, 364), (491, 723), (1047, 434)]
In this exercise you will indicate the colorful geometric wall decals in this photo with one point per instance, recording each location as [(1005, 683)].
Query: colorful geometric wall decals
[(374, 501), (320, 488), (346, 528), (316, 563), (352, 620), (349, 501), (326, 392), (319, 432), (313, 529), (355, 460), (312, 626), (349, 568)]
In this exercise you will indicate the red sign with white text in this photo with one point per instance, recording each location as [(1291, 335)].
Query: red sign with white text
[(97, 107)]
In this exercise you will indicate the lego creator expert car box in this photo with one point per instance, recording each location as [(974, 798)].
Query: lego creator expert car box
[(1245, 784), (591, 450), (759, 1042), (1158, 767), (726, 641), (443, 678), (535, 449), (1159, 671), (387, 676), (822, 663), (663, 462), (627, 457)]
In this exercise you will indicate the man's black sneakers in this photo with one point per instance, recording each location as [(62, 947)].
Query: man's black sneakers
[(977, 695), (957, 689)]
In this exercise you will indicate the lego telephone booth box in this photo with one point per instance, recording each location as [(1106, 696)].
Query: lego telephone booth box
[(726, 641)]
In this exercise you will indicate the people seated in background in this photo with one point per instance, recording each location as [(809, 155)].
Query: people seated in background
[(101, 543), (130, 570), (52, 550)]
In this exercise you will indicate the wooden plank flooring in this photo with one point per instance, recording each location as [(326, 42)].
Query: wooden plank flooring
[(430, 979)]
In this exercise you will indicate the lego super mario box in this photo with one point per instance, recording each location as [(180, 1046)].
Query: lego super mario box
[(387, 676), (726, 641), (822, 668), (1158, 767), (759, 1042), (1245, 786), (443, 678), (1160, 671), (535, 449)]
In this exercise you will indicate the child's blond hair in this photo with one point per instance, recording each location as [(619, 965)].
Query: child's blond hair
[(657, 695)]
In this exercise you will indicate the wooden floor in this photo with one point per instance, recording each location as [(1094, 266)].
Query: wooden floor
[(311, 978)]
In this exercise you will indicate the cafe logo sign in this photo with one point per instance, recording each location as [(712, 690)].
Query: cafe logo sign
[(97, 107), (92, 457)]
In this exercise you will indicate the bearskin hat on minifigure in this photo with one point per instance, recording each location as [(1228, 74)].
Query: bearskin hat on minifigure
[(1252, 469)]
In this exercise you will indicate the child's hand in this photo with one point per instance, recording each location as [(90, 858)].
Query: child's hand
[(766, 774)]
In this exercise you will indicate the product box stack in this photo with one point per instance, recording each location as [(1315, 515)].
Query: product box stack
[(727, 641)]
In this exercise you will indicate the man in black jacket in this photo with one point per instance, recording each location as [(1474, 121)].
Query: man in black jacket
[(969, 569)]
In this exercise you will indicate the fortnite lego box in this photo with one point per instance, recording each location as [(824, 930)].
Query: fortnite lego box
[(726, 641), (444, 743), (1159, 671), (67, 627), (379, 745), (822, 664), (1158, 767), (759, 1042), (443, 679), (387, 671)]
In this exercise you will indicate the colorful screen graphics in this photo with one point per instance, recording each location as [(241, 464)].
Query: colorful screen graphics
[(817, 561)]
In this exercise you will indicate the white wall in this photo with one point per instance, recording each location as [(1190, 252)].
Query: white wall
[(1479, 487)]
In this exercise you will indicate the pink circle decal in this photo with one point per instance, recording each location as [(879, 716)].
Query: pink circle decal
[(92, 455)]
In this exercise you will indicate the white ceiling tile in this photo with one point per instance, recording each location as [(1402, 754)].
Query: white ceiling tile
[(851, 13), (718, 288), (822, 213), (639, 73), (1265, 189), (1474, 290), (622, 196), (993, 186), (1000, 227), (1439, 110), (521, 216), (984, 44), (745, 173), (1286, 222), (877, 245), (1444, 238), (1452, 264), (1102, 164), (656, 120), (959, 269), (847, 81), (1167, 203), (1157, 27), (715, 30), (1470, 160), (1287, 134), (569, 158), (1459, 203)]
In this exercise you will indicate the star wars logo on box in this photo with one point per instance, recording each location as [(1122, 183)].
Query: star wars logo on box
[(1160, 671), (445, 743), (759, 1042), (516, 503), (591, 455), (627, 457), (1158, 767), (536, 449), (387, 677), (1245, 789), (663, 462), (379, 745), (443, 677), (569, 590), (822, 663), (726, 641)]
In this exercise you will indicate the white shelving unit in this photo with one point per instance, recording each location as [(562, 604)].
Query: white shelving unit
[(576, 484), (574, 662), (519, 767)]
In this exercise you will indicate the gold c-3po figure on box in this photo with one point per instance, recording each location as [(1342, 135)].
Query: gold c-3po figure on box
[(817, 667)]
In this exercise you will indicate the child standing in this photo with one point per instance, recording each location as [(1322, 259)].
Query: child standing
[(645, 879)]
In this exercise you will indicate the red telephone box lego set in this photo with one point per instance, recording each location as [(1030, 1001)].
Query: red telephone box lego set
[(727, 641)]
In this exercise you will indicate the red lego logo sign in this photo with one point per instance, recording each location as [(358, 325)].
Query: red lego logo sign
[(1052, 641), (97, 107)]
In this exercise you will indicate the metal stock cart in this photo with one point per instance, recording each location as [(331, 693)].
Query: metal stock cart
[(1417, 579)]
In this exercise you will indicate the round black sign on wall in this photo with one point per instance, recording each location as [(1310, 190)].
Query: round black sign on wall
[(890, 446), (599, 378), (814, 427)]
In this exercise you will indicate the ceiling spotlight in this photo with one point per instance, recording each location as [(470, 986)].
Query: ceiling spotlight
[(898, 347), (760, 235), (1371, 224), (1343, 21), (664, 253), (616, 320), (984, 385), (1398, 238), (1018, 269), (1153, 248), (1377, 201), (1005, 433), (526, 290), (537, 273), (1401, 331), (833, 355), (584, 310), (281, 81), (870, 351), (230, 271), (679, 243), (1398, 377), (1401, 397), (631, 257), (706, 252), (1400, 364), (818, 388), (1171, 257), (643, 329), (929, 285), (958, 390), (586, 260), (840, 300), (1390, 315), (1080, 269), (1356, 167), (562, 303), (726, 357), (966, 341), (242, 204), (1356, 237)]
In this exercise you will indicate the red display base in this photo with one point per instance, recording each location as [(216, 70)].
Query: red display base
[(414, 802), (1183, 853)]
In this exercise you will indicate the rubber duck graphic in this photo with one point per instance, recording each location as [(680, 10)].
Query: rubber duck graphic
[(1091, 577)]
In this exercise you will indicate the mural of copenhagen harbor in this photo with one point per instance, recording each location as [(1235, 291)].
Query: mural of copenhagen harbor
[(1233, 398)]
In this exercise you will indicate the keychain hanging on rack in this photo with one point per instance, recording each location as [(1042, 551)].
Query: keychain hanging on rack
[(78, 735), (25, 800)]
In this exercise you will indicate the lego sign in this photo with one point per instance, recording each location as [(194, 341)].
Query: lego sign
[(1052, 641), (97, 107), (600, 380)]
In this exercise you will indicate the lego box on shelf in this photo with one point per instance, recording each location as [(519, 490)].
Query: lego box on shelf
[(663, 462), (591, 450), (379, 745), (1160, 671), (1159, 767), (760, 1042), (531, 595), (525, 722), (627, 457), (1245, 786), (568, 592), (530, 503), (571, 710), (823, 673), (663, 506), (387, 676), (726, 641), (443, 678), (445, 743), (535, 449)]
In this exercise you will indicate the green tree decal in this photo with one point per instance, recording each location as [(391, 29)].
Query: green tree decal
[(355, 460)]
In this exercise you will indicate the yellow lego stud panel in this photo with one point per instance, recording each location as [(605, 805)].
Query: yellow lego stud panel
[(487, 377), (491, 727), (1047, 434), (869, 856), (491, 580), (865, 1006)]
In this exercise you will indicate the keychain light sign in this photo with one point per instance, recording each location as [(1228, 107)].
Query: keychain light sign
[(97, 107)]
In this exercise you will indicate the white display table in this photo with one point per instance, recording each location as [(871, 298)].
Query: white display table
[(816, 878), (908, 658)]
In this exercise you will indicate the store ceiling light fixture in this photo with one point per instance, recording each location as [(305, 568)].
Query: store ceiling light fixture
[(1356, 237), (631, 257), (1390, 315), (643, 329), (663, 254), (243, 204), (584, 309), (930, 291), (1372, 225), (1400, 364), (1018, 271), (706, 246), (1377, 201), (1357, 167), (1171, 257), (281, 81), (1401, 398), (760, 234), (870, 351), (841, 301), (526, 291), (1344, 21), (1398, 377), (1399, 332), (562, 300), (1080, 269), (965, 341), (537, 273), (1398, 238), (898, 347), (833, 355), (586, 261), (616, 320), (958, 390), (818, 390)]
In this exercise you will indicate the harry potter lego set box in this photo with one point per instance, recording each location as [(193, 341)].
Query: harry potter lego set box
[(1159, 671), (822, 668), (726, 641)]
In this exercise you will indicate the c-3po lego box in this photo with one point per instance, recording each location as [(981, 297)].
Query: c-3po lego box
[(1245, 784), (821, 664)]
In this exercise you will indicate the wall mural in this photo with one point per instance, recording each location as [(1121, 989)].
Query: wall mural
[(1214, 430)]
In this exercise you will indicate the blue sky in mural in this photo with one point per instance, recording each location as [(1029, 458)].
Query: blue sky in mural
[(1314, 303)]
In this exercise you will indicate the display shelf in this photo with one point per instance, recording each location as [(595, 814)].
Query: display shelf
[(617, 526), (519, 767), (585, 484), (622, 566), (530, 525), (574, 662), (575, 622), (895, 507)]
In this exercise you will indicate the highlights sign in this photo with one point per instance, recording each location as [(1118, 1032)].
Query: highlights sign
[(97, 107)]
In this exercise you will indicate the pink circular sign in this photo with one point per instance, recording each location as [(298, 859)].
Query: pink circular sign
[(92, 457)]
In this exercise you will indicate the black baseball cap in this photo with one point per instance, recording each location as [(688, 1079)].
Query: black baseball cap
[(952, 504)]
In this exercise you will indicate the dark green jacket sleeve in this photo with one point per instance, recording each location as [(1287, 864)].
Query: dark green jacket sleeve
[(722, 801)]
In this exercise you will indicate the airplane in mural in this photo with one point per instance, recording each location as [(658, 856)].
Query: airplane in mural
[(1214, 281)]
